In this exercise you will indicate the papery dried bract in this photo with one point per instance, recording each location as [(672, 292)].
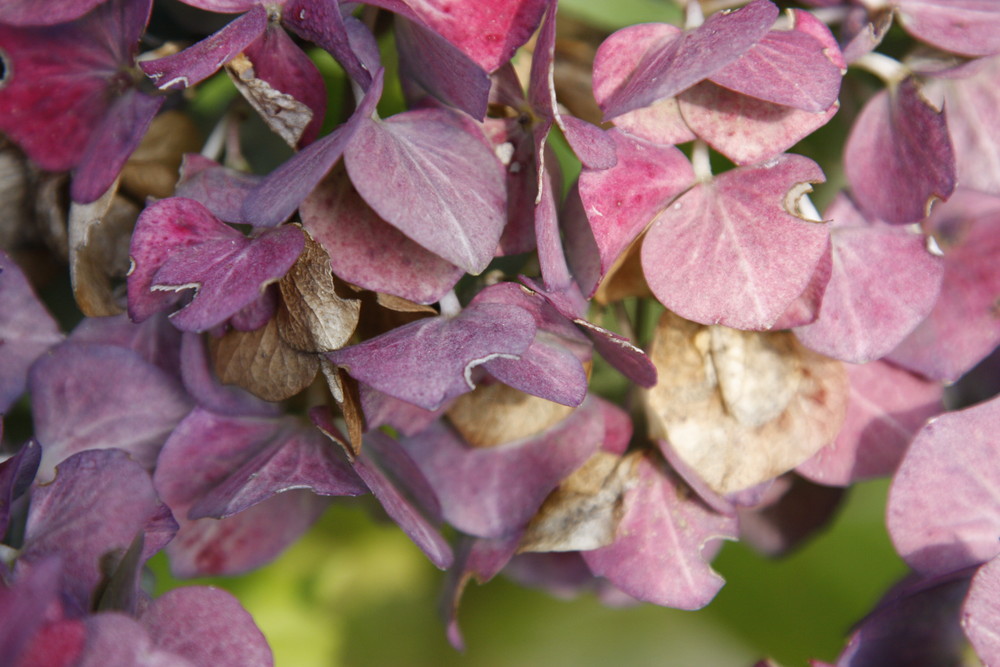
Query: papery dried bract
[(741, 408)]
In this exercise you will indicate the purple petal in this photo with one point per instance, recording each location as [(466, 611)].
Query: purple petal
[(968, 27), (217, 188), (61, 76), (431, 360), (495, 491), (743, 128), (411, 515), (32, 12), (788, 67), (347, 39), (26, 331), (432, 175), (155, 340), (671, 67), (201, 453), (117, 639), (207, 626), (963, 328), (281, 192), (915, 624), (621, 353), (943, 513), (368, 252), (981, 613), (621, 201), (732, 251), (196, 63), (97, 504), (99, 397), (548, 242), (660, 123), (23, 606), (441, 69), (793, 510), (886, 407), (111, 144), (898, 157), (16, 475), (884, 282), (657, 554), (206, 389)]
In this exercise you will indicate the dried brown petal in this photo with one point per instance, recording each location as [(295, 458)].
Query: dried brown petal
[(496, 413), (99, 237), (346, 393), (154, 167), (284, 114), (313, 317), (584, 511), (741, 407), (261, 362), (625, 278)]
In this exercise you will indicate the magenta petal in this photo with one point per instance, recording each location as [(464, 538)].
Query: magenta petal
[(669, 68), (968, 27), (116, 639), (366, 251), (621, 353), (98, 397), (943, 513), (198, 62), (23, 605), (621, 201), (886, 407), (281, 192), (441, 69), (432, 175), (111, 144), (963, 328), (981, 612), (32, 12), (207, 626), (787, 67), (730, 252), (217, 188), (898, 157), (657, 553), (98, 502), (347, 39), (431, 360), (16, 475), (495, 491), (154, 340), (63, 76), (26, 329), (884, 283)]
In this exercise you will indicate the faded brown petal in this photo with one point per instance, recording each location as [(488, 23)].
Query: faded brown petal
[(261, 362), (99, 237), (153, 169), (283, 113), (496, 413), (625, 278), (346, 393), (313, 317), (741, 407), (584, 511), (384, 312)]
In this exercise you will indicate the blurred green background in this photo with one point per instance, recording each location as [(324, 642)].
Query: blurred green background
[(355, 592)]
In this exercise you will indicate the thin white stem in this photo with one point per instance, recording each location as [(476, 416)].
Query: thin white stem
[(216, 140), (700, 161), (693, 16), (450, 306), (890, 70)]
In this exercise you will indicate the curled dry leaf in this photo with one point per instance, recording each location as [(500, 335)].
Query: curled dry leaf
[(284, 114), (741, 407), (313, 317), (347, 394), (584, 511), (262, 363), (99, 237), (154, 167), (496, 413)]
